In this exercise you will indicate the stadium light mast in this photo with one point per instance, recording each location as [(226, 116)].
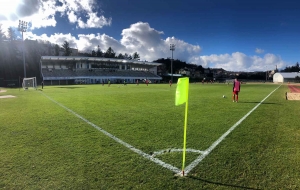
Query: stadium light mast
[(22, 28), (266, 73), (172, 48)]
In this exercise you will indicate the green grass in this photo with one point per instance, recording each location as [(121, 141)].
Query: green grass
[(43, 146)]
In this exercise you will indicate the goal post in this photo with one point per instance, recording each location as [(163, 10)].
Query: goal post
[(29, 83)]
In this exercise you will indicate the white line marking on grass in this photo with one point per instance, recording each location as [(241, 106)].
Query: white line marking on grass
[(145, 155), (176, 150), (207, 151)]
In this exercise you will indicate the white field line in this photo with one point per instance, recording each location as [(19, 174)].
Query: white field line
[(207, 151), (145, 155), (176, 150)]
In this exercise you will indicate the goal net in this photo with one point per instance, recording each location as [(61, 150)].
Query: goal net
[(29, 83)]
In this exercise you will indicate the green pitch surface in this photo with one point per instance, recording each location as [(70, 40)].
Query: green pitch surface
[(131, 137)]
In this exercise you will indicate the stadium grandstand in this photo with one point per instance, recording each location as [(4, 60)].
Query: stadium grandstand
[(66, 70)]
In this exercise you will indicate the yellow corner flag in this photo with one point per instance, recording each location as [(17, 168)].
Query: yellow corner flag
[(182, 91), (181, 97)]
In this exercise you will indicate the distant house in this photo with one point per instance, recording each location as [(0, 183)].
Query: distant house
[(285, 77), (185, 72), (207, 71)]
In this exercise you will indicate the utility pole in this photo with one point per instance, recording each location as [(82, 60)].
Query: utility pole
[(172, 48), (22, 28)]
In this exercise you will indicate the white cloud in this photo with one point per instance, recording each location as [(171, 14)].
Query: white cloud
[(57, 38), (147, 41), (94, 21), (240, 62), (139, 37), (41, 13), (72, 17), (257, 50)]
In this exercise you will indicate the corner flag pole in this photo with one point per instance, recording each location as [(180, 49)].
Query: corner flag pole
[(181, 97), (184, 133)]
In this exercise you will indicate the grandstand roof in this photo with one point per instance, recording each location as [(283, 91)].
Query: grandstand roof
[(99, 59), (290, 75)]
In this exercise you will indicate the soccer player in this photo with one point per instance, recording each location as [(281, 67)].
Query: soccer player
[(170, 83), (137, 82), (108, 83), (236, 89), (147, 82), (42, 84)]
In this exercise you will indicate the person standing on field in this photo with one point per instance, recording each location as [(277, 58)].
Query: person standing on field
[(42, 84), (147, 82), (236, 89)]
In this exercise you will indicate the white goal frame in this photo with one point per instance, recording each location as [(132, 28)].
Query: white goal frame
[(29, 83)]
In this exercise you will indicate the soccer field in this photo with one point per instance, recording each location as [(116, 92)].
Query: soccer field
[(131, 137)]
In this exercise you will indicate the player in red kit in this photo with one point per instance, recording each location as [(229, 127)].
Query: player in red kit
[(170, 83), (236, 89)]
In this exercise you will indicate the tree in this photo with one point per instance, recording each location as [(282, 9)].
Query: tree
[(125, 56), (110, 53), (295, 68), (67, 49), (136, 56), (2, 51), (120, 56), (93, 53), (99, 52), (297, 79), (11, 34), (2, 35), (56, 49)]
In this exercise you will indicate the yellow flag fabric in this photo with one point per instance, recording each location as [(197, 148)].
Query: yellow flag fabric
[(182, 91)]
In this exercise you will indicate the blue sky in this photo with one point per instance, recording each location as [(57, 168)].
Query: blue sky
[(235, 35)]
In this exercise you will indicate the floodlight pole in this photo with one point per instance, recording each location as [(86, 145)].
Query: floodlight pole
[(266, 72), (22, 28), (172, 48)]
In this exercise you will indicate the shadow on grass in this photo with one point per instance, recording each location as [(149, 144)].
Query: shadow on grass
[(221, 184), (70, 87)]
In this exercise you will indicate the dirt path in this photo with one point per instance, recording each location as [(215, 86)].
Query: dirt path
[(294, 89), (294, 92)]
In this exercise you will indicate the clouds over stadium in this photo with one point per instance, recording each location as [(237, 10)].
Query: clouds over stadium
[(147, 41), (139, 37)]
